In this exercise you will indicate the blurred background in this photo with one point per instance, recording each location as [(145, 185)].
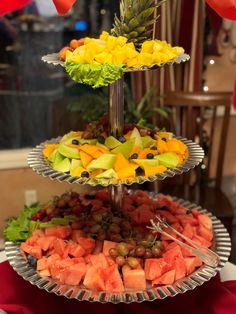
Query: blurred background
[(38, 101)]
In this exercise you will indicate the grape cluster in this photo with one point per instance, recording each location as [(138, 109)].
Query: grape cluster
[(66, 204), (132, 252), (103, 224)]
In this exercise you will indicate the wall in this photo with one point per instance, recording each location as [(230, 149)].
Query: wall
[(13, 183)]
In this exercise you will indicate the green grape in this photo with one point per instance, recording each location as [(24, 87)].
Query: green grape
[(132, 262), (120, 260), (159, 245), (113, 253), (123, 249), (150, 238)]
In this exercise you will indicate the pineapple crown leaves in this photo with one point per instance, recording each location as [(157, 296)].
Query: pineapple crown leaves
[(136, 19)]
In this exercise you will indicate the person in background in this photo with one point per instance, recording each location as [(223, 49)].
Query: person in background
[(229, 37), (8, 35)]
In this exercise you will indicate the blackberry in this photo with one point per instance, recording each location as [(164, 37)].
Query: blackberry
[(75, 142), (101, 139), (84, 174), (150, 156), (134, 156), (153, 148), (121, 138)]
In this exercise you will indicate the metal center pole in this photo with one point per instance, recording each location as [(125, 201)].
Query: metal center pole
[(116, 125)]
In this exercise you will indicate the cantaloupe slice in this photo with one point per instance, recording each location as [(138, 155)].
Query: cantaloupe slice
[(162, 146), (49, 149), (85, 158), (127, 135), (151, 171), (120, 163), (90, 150), (143, 154), (135, 150), (125, 173), (95, 173)]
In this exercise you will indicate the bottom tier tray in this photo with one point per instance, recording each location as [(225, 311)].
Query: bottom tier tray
[(221, 245)]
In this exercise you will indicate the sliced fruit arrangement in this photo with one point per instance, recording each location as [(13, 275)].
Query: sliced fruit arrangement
[(109, 49), (106, 159), (80, 241), (100, 62)]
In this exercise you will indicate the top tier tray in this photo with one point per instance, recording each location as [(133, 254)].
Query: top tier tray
[(53, 59), (38, 163)]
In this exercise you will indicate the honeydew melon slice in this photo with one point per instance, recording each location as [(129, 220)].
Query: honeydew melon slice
[(88, 141), (75, 163), (69, 152), (106, 161), (146, 162), (63, 166), (147, 141), (136, 135), (101, 146), (111, 142), (170, 160), (125, 148), (108, 174), (58, 158), (70, 136), (52, 157)]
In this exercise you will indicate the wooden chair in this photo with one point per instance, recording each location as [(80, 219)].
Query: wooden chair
[(190, 111)]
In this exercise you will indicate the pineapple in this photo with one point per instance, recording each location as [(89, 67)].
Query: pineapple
[(136, 20)]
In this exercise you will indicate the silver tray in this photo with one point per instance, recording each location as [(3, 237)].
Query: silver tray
[(221, 245), (38, 163), (53, 59)]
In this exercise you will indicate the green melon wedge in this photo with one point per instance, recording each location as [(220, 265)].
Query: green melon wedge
[(146, 162), (108, 174), (125, 148), (69, 152), (169, 160), (105, 161), (136, 135), (75, 163), (147, 141), (63, 166), (111, 142)]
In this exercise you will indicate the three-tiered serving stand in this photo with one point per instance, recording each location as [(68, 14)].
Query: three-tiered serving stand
[(38, 163)]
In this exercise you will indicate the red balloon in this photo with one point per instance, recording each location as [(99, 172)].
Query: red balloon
[(63, 6), (225, 8), (7, 6)]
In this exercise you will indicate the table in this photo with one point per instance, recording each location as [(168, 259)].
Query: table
[(18, 296)]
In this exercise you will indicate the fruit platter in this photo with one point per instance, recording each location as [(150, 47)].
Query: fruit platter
[(94, 157), (115, 245), (76, 246)]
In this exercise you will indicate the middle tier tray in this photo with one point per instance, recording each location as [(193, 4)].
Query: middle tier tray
[(40, 165)]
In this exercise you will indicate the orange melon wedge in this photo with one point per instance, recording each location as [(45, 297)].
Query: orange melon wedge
[(120, 163), (85, 158)]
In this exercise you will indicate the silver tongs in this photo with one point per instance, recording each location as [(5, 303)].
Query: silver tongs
[(208, 257)]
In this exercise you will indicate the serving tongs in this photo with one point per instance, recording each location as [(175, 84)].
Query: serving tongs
[(208, 257)]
